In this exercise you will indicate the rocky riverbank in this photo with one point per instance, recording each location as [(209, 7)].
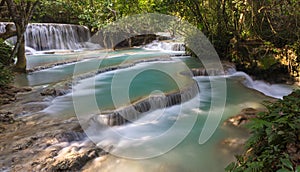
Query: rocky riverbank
[(33, 141), (40, 143), (9, 93)]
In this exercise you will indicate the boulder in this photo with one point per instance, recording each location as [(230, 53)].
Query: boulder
[(53, 92)]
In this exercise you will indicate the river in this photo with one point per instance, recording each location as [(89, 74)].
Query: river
[(103, 81)]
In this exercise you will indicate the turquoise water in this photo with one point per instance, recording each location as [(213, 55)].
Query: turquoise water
[(191, 62), (143, 84), (44, 59), (96, 60), (139, 81), (145, 78), (188, 155)]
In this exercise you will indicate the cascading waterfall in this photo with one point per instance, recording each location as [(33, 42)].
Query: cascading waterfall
[(48, 36), (206, 72), (2, 27), (167, 46), (272, 90), (132, 113)]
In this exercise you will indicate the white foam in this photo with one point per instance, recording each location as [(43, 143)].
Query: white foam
[(272, 90)]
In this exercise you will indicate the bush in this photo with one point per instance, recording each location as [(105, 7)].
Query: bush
[(6, 74), (5, 52), (275, 141)]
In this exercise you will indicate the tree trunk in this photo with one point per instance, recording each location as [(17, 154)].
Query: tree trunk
[(21, 62), (20, 13)]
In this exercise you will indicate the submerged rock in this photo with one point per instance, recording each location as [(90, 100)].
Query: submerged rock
[(56, 90), (53, 92), (234, 145), (237, 122), (243, 117)]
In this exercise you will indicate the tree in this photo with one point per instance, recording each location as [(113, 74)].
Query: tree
[(20, 12)]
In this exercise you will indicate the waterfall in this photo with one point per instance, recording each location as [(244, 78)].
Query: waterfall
[(47, 36), (2, 27), (205, 72), (167, 46), (272, 90), (135, 111)]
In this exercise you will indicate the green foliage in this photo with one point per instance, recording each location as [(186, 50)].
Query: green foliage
[(5, 52), (242, 31), (102, 13), (59, 11), (97, 15), (93, 13), (275, 140), (6, 74)]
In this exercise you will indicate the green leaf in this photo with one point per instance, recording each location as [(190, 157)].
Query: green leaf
[(230, 167), (272, 138), (297, 168), (283, 170), (287, 163)]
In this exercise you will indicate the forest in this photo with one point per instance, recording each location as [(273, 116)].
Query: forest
[(262, 37)]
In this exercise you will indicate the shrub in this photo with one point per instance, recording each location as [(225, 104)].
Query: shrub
[(6, 74), (5, 52), (275, 141)]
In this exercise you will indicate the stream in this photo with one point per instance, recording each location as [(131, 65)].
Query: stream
[(103, 82)]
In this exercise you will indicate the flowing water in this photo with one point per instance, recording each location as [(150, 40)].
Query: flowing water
[(149, 72), (189, 155), (85, 62), (48, 36), (166, 46)]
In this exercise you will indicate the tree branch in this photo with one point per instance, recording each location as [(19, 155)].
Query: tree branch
[(9, 32), (2, 2), (12, 9)]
